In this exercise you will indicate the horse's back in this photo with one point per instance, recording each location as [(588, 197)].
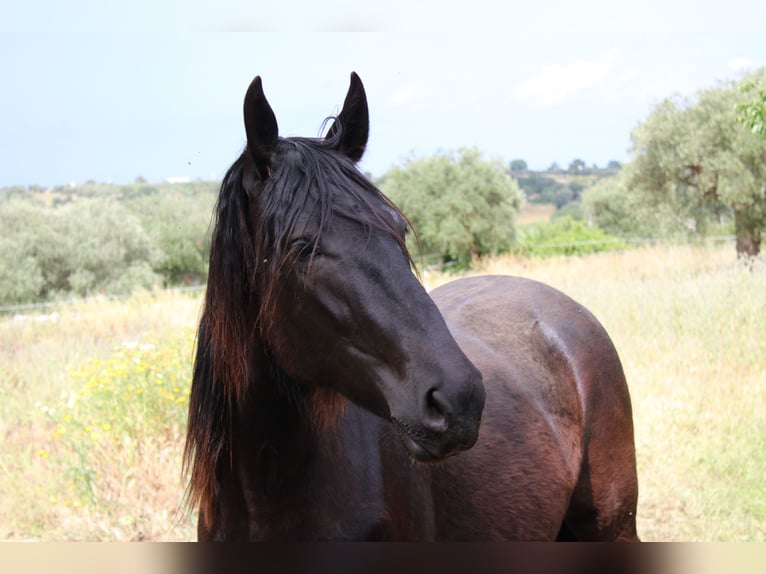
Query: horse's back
[(523, 328), (557, 436)]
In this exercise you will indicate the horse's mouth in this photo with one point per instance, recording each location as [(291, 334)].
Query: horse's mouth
[(417, 450), (414, 443)]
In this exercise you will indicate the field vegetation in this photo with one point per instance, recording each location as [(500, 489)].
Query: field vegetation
[(93, 419), (95, 396)]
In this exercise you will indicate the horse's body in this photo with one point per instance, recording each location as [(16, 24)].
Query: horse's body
[(556, 441), (326, 377)]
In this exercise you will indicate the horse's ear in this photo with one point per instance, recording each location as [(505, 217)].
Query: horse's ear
[(354, 120), (261, 128)]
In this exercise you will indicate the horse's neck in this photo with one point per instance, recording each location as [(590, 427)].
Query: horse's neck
[(292, 477), (273, 438)]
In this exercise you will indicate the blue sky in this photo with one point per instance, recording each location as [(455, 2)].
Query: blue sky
[(113, 91)]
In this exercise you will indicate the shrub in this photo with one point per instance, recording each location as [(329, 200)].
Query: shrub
[(565, 236), (83, 248), (179, 225)]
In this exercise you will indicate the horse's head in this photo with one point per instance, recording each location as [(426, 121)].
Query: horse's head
[(338, 305)]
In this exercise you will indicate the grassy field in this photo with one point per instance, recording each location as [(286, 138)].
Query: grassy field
[(94, 399), (91, 441)]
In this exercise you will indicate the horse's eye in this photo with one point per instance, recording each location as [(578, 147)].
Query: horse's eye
[(304, 249)]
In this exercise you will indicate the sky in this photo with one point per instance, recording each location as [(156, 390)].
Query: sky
[(113, 91)]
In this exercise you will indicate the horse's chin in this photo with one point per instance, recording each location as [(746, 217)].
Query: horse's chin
[(422, 448), (419, 452)]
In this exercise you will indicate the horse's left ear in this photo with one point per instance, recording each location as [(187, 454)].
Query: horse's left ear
[(260, 127), (354, 120)]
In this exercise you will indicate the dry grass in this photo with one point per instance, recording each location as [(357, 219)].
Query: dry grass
[(534, 212), (53, 487), (689, 324)]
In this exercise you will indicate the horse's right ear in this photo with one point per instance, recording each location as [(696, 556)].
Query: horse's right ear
[(261, 128), (354, 121)]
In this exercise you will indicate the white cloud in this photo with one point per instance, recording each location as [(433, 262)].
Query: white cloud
[(557, 83)]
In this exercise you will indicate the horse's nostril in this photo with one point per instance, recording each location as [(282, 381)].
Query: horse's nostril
[(437, 411)]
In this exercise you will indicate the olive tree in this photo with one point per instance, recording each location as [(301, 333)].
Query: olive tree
[(693, 155), (461, 205), (84, 248)]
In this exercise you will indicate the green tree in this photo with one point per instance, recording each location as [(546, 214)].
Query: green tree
[(576, 166), (611, 205), (577, 188), (108, 250), (554, 167), (460, 205), (693, 156), (518, 165)]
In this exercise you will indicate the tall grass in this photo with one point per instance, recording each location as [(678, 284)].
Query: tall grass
[(93, 409), (93, 417)]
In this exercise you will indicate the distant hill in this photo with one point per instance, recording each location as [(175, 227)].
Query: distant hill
[(558, 186), (64, 194)]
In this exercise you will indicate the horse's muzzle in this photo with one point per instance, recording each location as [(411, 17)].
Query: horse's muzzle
[(448, 421)]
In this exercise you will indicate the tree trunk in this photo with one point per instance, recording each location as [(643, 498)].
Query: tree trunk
[(748, 234)]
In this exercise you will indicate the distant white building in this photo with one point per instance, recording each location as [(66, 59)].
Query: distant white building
[(179, 179)]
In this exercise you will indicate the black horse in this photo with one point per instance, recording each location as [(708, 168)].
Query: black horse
[(326, 378)]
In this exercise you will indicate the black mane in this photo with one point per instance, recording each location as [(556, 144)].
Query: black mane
[(250, 251)]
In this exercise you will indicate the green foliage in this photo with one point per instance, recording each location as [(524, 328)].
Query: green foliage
[(539, 188), (752, 113), (460, 205), (560, 187), (693, 158), (576, 166), (72, 241), (565, 236), (179, 225), (21, 277), (573, 210), (611, 205), (94, 246), (695, 171), (517, 165)]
